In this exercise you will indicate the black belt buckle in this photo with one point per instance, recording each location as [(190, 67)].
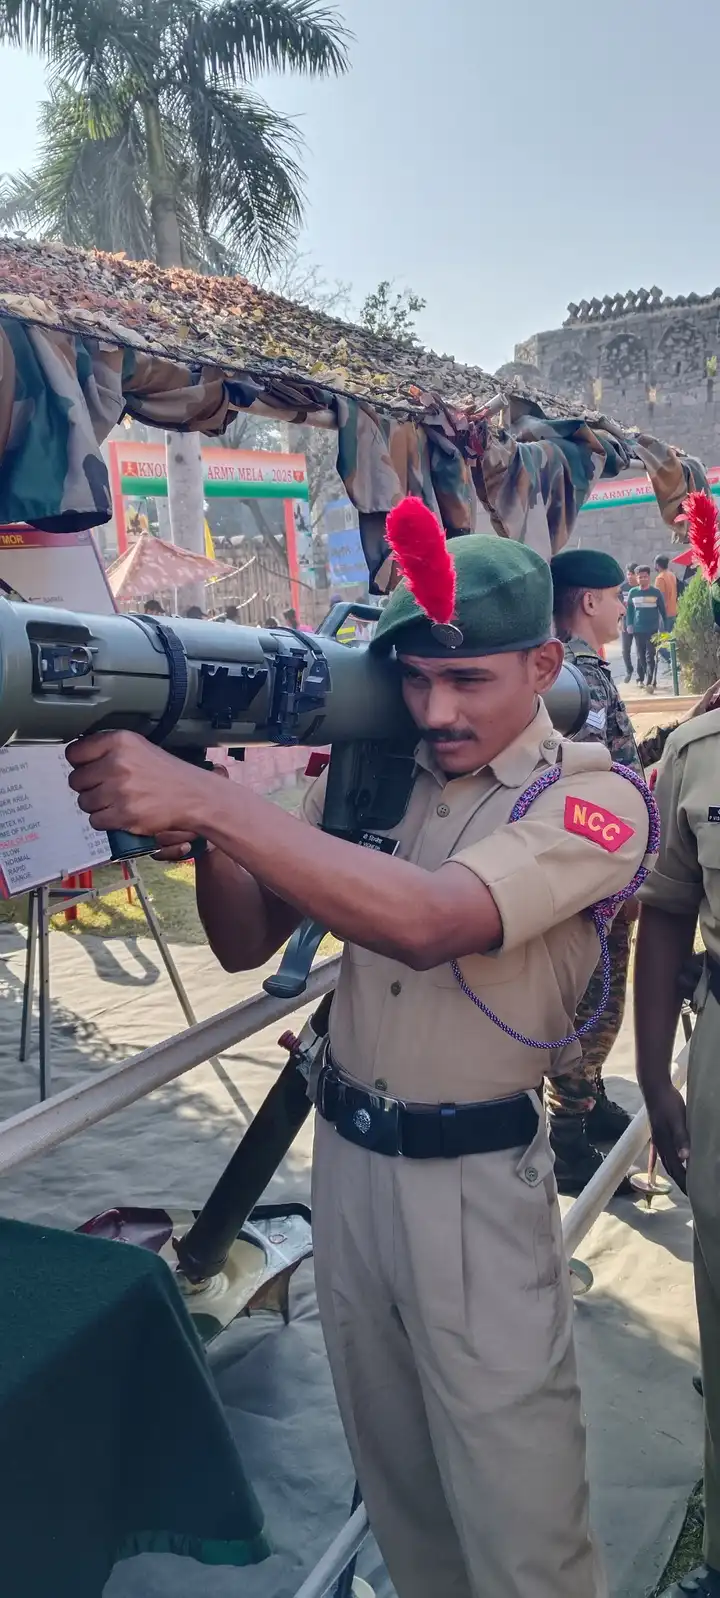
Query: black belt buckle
[(367, 1120)]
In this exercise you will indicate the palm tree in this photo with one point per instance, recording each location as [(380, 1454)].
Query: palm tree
[(154, 143)]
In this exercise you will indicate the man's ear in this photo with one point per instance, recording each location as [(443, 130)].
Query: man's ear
[(546, 662)]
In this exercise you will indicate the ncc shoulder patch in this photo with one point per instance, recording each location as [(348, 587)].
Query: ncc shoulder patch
[(600, 826)]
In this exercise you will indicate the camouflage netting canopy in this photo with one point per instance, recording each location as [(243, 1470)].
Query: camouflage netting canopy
[(228, 323), (86, 338)]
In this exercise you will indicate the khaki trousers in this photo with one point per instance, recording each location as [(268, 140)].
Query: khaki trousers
[(447, 1314), (704, 1194)]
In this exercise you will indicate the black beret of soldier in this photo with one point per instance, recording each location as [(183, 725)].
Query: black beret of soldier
[(585, 568)]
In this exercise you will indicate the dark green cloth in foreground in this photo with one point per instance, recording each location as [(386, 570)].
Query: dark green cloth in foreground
[(112, 1437)]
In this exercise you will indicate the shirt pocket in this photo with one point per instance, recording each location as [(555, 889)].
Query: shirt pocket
[(482, 971), (707, 836)]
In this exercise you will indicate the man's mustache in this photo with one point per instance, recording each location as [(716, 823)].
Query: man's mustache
[(445, 735)]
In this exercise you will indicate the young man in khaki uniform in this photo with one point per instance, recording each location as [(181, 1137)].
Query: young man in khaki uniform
[(685, 888), (441, 1276)]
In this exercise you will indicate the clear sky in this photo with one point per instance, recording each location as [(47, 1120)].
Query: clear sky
[(500, 159)]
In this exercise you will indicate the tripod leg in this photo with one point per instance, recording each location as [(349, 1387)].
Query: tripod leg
[(45, 1017), (29, 984)]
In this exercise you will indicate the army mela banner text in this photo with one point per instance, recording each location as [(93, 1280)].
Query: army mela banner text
[(140, 472), (623, 491)]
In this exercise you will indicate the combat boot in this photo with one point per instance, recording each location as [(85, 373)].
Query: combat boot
[(607, 1120), (576, 1158)]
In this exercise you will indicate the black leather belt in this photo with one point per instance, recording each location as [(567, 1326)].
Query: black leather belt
[(423, 1131)]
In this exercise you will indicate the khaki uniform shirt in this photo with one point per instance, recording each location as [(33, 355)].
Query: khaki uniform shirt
[(415, 1034), (686, 878)]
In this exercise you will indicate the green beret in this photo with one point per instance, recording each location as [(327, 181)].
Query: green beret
[(503, 603), (585, 568)]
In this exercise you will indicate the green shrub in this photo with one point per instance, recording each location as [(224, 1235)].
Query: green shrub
[(695, 637)]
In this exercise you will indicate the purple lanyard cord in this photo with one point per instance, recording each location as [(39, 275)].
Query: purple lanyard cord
[(601, 913)]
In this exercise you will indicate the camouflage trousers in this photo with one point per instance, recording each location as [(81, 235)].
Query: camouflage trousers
[(575, 1091)]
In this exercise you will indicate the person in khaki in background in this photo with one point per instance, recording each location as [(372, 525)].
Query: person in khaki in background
[(588, 608), (441, 1278), (685, 889)]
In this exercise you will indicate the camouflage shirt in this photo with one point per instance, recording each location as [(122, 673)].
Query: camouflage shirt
[(608, 721)]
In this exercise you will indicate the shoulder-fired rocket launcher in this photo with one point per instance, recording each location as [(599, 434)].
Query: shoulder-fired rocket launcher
[(191, 685)]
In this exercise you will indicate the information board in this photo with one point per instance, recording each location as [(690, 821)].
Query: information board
[(62, 569), (43, 833)]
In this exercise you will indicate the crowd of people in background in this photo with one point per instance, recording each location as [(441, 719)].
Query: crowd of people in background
[(152, 607), (651, 605)]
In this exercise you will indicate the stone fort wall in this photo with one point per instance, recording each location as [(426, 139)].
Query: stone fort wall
[(650, 362)]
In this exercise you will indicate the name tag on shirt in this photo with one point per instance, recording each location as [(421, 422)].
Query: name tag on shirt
[(375, 840), (714, 813)]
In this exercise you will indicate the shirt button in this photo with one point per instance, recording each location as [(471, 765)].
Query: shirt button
[(531, 1175), (549, 743), (381, 1084), (396, 988), (443, 810)]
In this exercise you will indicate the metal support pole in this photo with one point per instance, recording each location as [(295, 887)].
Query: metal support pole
[(674, 667), (344, 1587), (29, 983), (43, 1126), (593, 1199), (203, 1250), (43, 915), (164, 951), (338, 1555)]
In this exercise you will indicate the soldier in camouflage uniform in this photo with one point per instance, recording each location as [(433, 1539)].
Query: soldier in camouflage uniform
[(588, 611), (588, 607)]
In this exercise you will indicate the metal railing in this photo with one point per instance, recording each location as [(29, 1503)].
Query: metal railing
[(42, 1127)]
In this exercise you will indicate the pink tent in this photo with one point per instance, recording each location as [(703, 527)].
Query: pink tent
[(154, 567)]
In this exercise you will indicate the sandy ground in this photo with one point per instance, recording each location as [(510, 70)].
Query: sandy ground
[(636, 1330)]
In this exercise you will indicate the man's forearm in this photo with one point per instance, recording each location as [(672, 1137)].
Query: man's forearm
[(664, 942), (366, 897), (244, 925)]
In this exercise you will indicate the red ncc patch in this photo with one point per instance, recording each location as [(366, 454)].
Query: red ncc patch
[(601, 826)]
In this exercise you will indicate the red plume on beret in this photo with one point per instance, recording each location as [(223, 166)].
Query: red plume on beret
[(702, 516), (418, 543)]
